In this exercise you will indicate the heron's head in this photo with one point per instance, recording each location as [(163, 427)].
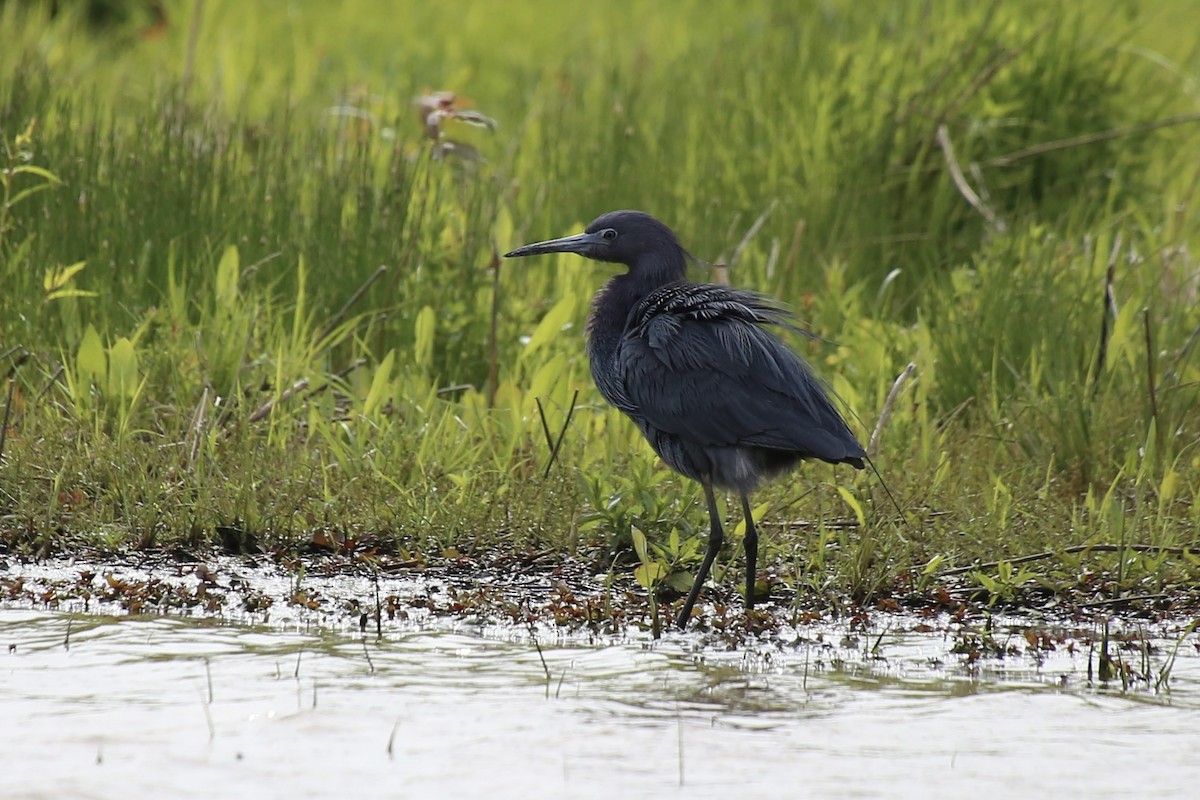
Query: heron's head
[(622, 237)]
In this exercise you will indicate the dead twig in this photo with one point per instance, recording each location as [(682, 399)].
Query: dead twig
[(1150, 389), (1110, 309), (720, 274), (1009, 159), (901, 379), (960, 181), (197, 430), (493, 379), (793, 253), (750, 234), (12, 387), (354, 298), (1079, 548), (1115, 601), (265, 408), (555, 443)]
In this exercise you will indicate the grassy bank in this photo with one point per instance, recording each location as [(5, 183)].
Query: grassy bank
[(250, 300)]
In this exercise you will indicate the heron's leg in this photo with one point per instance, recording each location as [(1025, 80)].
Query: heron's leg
[(715, 537), (751, 550)]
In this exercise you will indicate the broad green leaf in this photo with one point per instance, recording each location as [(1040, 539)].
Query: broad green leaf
[(639, 544), (681, 581), (1166, 489), (502, 228), (650, 574), (122, 369), (1125, 340), (228, 271), (546, 377), (551, 324), (758, 511), (91, 364), (379, 384), (424, 331), (855, 506)]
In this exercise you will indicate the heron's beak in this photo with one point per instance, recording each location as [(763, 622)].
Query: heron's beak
[(582, 243)]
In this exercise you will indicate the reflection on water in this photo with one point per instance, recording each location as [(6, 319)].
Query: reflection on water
[(96, 706)]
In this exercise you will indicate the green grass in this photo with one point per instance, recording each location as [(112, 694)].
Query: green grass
[(288, 325)]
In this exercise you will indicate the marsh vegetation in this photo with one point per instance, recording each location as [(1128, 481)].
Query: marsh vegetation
[(251, 296)]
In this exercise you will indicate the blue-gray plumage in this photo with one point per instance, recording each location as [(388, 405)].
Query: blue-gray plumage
[(719, 398)]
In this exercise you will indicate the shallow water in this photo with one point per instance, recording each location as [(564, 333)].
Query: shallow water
[(124, 707)]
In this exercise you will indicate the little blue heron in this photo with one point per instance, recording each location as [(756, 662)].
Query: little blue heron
[(720, 399)]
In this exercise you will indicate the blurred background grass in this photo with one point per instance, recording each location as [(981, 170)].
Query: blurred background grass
[(230, 175)]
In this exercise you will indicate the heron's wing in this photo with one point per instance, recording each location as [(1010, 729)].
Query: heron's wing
[(695, 362)]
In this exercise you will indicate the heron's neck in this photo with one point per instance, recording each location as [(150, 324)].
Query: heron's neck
[(613, 303)]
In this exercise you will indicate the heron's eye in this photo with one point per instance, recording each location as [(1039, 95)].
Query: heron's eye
[(609, 234)]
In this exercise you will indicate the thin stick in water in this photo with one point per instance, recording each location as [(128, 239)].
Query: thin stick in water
[(378, 604), (367, 653), (537, 645), (679, 741), (392, 739), (212, 729)]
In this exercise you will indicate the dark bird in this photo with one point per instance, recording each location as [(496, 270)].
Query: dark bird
[(720, 398)]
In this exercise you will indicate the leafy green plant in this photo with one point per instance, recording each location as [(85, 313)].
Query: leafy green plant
[(14, 189), (1005, 584)]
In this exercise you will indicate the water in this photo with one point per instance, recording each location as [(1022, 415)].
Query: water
[(108, 706)]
